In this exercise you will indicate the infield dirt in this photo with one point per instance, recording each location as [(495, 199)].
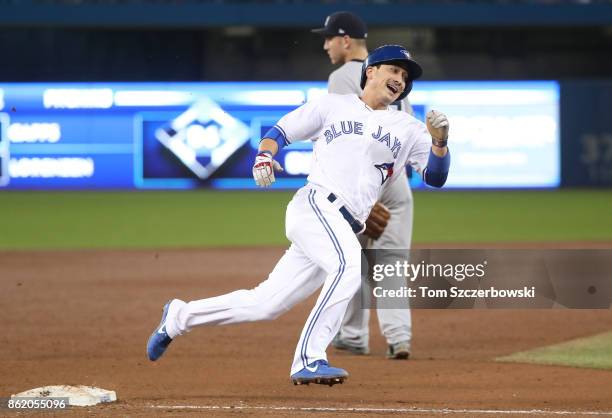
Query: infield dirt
[(84, 318)]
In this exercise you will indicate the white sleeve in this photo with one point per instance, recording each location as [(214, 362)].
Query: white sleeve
[(306, 121), (338, 83), (419, 153)]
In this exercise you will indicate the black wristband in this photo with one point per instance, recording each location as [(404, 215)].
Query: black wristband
[(440, 143)]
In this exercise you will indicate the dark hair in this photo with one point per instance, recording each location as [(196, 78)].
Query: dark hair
[(399, 64)]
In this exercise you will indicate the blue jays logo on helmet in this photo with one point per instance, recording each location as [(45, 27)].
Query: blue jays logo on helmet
[(393, 54), (385, 170)]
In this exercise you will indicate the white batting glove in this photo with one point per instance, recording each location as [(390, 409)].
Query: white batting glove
[(437, 125), (264, 168)]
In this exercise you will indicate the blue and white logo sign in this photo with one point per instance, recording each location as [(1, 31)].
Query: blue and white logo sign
[(203, 137)]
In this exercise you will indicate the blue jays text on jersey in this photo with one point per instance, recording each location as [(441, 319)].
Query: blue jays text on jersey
[(349, 127), (349, 140)]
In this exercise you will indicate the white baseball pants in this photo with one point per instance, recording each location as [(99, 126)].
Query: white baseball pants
[(324, 251)]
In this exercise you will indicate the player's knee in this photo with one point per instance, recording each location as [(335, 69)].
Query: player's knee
[(261, 307), (352, 277), (264, 312), (271, 312)]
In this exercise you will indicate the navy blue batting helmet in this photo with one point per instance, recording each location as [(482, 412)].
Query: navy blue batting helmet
[(393, 54)]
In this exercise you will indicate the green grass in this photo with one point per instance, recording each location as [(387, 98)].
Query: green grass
[(61, 220), (140, 219), (513, 216), (591, 352)]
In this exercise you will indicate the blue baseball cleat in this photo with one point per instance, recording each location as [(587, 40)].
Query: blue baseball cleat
[(159, 340), (319, 372)]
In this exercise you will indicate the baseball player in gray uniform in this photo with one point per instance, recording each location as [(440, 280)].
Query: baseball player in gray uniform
[(390, 224)]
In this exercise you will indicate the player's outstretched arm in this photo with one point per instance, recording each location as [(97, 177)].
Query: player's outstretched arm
[(439, 158), (265, 165)]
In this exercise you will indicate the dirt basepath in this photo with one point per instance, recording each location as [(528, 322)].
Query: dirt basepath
[(84, 318)]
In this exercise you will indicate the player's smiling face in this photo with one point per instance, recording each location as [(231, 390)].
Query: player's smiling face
[(388, 81)]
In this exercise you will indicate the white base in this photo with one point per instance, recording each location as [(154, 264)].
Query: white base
[(77, 395)]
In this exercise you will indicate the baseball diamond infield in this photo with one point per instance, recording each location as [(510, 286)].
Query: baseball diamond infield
[(83, 317)]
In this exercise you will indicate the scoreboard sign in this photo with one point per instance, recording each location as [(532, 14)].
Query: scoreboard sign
[(188, 135)]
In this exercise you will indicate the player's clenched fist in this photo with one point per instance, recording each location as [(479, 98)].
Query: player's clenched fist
[(264, 168), (437, 125)]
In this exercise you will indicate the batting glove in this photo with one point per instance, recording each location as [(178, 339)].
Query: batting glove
[(437, 125), (264, 168)]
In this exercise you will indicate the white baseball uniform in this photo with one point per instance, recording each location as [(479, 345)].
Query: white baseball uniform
[(356, 151), (395, 324)]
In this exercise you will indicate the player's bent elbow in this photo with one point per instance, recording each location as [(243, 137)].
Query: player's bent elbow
[(437, 169), (435, 179)]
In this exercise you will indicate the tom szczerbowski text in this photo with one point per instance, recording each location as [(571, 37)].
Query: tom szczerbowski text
[(454, 292)]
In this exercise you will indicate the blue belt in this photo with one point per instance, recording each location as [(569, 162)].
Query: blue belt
[(356, 226)]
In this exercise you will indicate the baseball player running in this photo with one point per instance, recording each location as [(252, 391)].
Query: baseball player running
[(360, 144), (389, 225)]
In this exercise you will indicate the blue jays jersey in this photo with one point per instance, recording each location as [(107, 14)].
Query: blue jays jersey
[(356, 150)]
